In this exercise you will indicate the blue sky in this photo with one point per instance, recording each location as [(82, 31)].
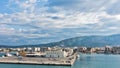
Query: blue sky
[(43, 21)]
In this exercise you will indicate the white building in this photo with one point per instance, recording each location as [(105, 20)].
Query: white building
[(0, 49), (69, 51), (116, 50), (56, 53), (82, 49), (36, 49), (108, 49)]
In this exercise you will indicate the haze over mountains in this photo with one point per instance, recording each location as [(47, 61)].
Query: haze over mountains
[(88, 41)]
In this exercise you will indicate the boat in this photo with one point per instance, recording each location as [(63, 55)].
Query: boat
[(7, 55)]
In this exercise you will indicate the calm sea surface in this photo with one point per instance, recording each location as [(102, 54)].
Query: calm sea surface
[(85, 61)]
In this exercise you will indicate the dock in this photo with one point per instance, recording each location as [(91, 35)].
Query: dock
[(67, 61)]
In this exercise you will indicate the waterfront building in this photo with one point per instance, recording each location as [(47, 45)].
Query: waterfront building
[(100, 50), (90, 50), (116, 50), (56, 53), (69, 51), (5, 50), (18, 49), (0, 49), (28, 49), (44, 49), (34, 54), (108, 49), (82, 49), (13, 49), (36, 49)]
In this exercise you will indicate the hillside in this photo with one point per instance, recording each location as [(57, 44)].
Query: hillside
[(92, 41), (88, 41)]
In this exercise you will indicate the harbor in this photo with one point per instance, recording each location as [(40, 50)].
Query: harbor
[(39, 61), (85, 61), (52, 56)]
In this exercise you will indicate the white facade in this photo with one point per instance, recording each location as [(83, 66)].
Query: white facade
[(56, 54), (116, 50), (69, 51), (36, 49)]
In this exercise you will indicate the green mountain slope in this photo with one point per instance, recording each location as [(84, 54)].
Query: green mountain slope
[(88, 41)]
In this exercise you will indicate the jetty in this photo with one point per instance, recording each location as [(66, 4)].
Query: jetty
[(67, 61)]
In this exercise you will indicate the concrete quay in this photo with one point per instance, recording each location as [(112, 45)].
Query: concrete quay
[(67, 61)]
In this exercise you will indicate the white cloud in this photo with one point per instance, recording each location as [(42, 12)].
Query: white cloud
[(33, 19), (1, 15), (114, 1), (68, 19), (106, 15), (20, 33), (113, 28), (35, 35), (6, 31)]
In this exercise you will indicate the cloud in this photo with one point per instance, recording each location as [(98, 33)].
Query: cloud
[(57, 20), (83, 5), (64, 19), (34, 35)]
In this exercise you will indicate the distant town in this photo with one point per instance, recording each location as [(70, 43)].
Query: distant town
[(44, 50), (100, 50)]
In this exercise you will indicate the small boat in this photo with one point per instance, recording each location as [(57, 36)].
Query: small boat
[(78, 56), (7, 55), (3, 56)]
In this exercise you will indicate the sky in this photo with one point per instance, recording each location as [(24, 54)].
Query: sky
[(25, 22)]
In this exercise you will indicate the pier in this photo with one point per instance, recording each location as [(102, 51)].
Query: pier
[(67, 61)]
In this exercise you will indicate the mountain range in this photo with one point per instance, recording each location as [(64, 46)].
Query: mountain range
[(87, 41)]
